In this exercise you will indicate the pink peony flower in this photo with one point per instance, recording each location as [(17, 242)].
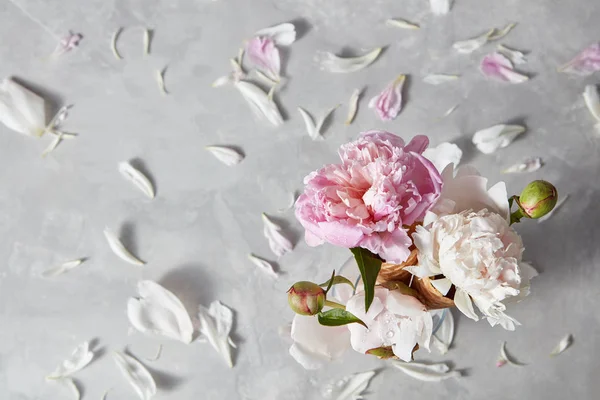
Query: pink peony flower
[(388, 103), (381, 187), (263, 54)]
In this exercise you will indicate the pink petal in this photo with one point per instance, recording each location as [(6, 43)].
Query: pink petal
[(388, 103), (497, 66), (263, 54), (586, 63), (68, 43)]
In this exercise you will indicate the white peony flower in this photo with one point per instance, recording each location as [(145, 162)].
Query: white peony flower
[(394, 319)]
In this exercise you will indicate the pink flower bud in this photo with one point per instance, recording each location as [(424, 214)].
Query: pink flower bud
[(306, 298)]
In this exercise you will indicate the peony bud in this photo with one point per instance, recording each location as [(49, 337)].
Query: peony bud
[(306, 298), (538, 199)]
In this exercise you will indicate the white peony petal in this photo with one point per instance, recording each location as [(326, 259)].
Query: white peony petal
[(503, 32), (442, 340), (401, 23), (263, 265), (221, 81), (119, 249), (440, 7), (260, 102), (309, 123), (22, 110), (496, 137), (450, 111), (592, 100), (527, 165), (353, 106), (137, 178), (113, 43), (157, 311), (80, 357), (226, 155), (64, 267), (438, 79), (349, 387), (464, 304), (443, 154), (504, 357), (442, 285), (470, 45), (136, 374), (558, 205), (282, 34), (426, 372), (215, 325), (515, 56), (72, 387), (278, 243), (147, 37), (160, 79), (336, 64), (562, 345)]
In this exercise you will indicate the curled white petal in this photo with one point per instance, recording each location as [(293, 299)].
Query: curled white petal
[(79, 358), (263, 265), (260, 102), (157, 311), (527, 165), (113, 43), (470, 45), (438, 79), (505, 357), (562, 345), (226, 155), (72, 387), (592, 100), (336, 64), (443, 154), (147, 37), (440, 7), (22, 110), (136, 374), (137, 178), (426, 372), (516, 56), (353, 106), (119, 249), (496, 137), (278, 243), (215, 325), (444, 336), (62, 268), (282, 34), (314, 129), (401, 23), (160, 79), (464, 304)]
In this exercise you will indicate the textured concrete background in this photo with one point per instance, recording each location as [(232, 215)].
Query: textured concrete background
[(196, 234)]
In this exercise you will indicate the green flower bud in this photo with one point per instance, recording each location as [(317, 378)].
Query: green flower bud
[(306, 298), (538, 199)]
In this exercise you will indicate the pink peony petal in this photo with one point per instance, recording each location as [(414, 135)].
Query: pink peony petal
[(68, 43), (497, 66), (263, 54), (586, 63), (388, 103)]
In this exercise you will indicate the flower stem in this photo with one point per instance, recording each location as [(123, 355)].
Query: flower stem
[(333, 304), (516, 216)]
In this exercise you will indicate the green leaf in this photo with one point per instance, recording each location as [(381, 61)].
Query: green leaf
[(338, 317), (369, 266), (382, 352), (330, 282), (337, 280)]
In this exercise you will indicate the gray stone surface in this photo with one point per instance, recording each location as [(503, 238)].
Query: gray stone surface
[(206, 218)]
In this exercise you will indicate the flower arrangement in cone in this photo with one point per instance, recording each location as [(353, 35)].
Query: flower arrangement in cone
[(425, 236)]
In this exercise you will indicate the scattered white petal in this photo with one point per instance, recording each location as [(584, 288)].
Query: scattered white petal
[(222, 81), (22, 110), (450, 111), (64, 267), (226, 155), (470, 45), (157, 311), (515, 56), (147, 37), (497, 66), (72, 387), (350, 387), (426, 372), (113, 43), (160, 78), (80, 357), (278, 243), (260, 102), (314, 129), (263, 265), (443, 154), (282, 34), (444, 336), (119, 249), (137, 178), (440, 7), (527, 165), (156, 355), (496, 137), (503, 32), (136, 374), (504, 358), (353, 106), (592, 100), (562, 345), (56, 139), (401, 23), (558, 205), (465, 304), (335, 64), (438, 79), (215, 325)]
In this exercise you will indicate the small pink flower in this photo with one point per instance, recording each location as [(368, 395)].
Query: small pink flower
[(497, 66), (381, 186), (586, 63), (261, 52), (389, 102)]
